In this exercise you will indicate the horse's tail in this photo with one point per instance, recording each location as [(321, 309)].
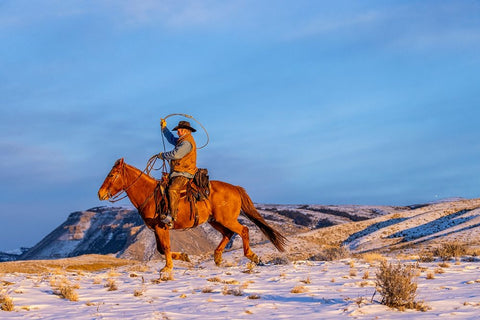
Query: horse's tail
[(251, 212)]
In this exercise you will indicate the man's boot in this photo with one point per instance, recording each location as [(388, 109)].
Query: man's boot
[(176, 185)]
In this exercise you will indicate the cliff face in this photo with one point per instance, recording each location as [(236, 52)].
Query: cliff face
[(117, 231)]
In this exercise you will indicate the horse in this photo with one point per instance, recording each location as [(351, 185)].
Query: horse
[(221, 210)]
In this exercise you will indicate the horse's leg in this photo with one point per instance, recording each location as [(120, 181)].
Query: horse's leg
[(180, 256), (227, 235), (242, 230), (163, 244)]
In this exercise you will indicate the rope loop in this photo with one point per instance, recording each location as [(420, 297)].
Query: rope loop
[(189, 117)]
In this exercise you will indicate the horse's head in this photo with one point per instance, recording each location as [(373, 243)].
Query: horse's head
[(114, 182)]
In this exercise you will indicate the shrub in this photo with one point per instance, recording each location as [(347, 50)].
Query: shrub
[(332, 253), (207, 290), (366, 275), (372, 257), (138, 293), (426, 256), (6, 303), (279, 260), (450, 250), (235, 291), (299, 289), (395, 282), (306, 281), (64, 289), (111, 285)]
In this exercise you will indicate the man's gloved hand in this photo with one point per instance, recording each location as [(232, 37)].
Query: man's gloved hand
[(163, 123), (160, 156)]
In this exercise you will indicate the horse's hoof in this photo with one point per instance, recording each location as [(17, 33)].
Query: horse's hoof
[(166, 277), (255, 259), (185, 257), (218, 260), (166, 274)]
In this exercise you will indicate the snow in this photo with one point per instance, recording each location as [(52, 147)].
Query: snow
[(301, 289), (238, 290)]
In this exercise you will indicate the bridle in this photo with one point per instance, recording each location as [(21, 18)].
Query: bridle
[(119, 195)]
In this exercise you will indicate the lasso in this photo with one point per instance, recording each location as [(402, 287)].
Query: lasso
[(152, 160)]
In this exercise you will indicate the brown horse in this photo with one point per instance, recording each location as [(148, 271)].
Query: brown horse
[(220, 210)]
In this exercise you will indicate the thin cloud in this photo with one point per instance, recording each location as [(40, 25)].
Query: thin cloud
[(425, 26), (324, 25), (175, 14)]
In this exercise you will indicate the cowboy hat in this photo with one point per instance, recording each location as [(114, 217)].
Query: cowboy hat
[(184, 125)]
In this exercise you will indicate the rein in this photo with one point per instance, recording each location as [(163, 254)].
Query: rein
[(120, 196)]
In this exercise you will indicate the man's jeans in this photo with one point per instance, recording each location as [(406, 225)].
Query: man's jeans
[(177, 184)]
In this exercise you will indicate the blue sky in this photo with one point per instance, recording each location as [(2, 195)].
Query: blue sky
[(320, 102)]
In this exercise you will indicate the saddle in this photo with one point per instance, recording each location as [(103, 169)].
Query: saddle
[(197, 189)]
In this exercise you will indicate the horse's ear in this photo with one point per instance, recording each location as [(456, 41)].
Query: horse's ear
[(118, 162)]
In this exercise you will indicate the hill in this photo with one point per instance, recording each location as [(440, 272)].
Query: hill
[(121, 232), (309, 228)]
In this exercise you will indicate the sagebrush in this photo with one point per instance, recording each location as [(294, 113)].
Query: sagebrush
[(6, 302), (396, 283)]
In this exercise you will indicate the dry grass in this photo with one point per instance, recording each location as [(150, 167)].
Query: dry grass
[(113, 273), (88, 263), (250, 266), (366, 275), (426, 256), (111, 285), (138, 292), (395, 282), (246, 284), (214, 279), (331, 254), (430, 275), (372, 257), (207, 290), (64, 289), (299, 289), (6, 302), (306, 281), (451, 250), (235, 291), (439, 270), (139, 268), (218, 280)]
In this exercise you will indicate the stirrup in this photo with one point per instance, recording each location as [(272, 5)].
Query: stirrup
[(168, 221)]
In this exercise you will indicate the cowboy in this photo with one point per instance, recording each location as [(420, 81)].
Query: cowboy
[(183, 164)]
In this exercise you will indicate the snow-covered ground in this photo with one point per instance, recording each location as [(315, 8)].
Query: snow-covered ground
[(201, 290)]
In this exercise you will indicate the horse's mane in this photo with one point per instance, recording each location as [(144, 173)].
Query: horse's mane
[(142, 174)]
